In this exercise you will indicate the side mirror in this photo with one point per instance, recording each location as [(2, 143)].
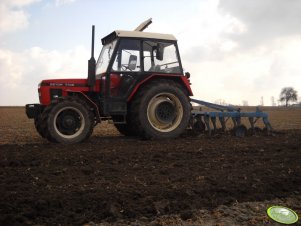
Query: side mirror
[(160, 51), (132, 62)]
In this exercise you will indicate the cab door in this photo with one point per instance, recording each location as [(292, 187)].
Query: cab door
[(126, 67), (124, 71)]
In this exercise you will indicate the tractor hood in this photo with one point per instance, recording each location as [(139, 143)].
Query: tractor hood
[(51, 89)]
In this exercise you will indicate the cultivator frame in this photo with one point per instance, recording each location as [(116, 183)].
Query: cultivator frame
[(201, 119)]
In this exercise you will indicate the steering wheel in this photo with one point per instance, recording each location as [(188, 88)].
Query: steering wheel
[(126, 67)]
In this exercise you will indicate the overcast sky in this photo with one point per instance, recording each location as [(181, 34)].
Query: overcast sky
[(235, 50)]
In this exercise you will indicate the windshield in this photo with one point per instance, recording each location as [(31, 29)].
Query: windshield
[(105, 57)]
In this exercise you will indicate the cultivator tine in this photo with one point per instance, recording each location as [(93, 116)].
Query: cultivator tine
[(267, 124), (238, 120), (213, 120), (223, 123), (234, 122), (207, 122), (251, 120)]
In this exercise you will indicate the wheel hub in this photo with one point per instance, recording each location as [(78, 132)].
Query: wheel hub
[(165, 112), (68, 122)]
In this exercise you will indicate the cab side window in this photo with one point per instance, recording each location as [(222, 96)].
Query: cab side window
[(160, 57), (128, 56)]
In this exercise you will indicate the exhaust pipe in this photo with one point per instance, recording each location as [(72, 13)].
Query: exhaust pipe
[(92, 64)]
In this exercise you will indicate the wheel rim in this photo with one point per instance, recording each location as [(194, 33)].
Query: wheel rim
[(69, 122), (165, 112)]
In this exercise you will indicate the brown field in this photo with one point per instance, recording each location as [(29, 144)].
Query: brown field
[(15, 127), (114, 180)]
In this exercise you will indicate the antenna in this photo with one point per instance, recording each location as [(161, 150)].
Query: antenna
[(144, 25)]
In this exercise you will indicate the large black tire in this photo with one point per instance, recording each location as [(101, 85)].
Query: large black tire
[(38, 126), (41, 124), (125, 129), (160, 110), (69, 121)]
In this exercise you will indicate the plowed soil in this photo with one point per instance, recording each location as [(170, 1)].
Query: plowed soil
[(115, 180)]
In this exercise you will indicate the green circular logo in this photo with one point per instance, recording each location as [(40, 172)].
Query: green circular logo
[(282, 215)]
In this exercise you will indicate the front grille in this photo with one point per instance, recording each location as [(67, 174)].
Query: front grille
[(55, 93)]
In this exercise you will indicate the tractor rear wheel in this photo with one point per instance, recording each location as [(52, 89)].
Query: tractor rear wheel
[(126, 128), (161, 110), (70, 121)]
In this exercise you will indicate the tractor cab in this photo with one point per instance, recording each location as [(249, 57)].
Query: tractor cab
[(132, 51), (127, 59)]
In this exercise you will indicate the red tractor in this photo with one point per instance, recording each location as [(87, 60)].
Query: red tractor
[(137, 82)]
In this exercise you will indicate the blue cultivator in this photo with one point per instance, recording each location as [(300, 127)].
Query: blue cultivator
[(201, 119)]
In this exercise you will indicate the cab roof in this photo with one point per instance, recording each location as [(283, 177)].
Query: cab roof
[(137, 34)]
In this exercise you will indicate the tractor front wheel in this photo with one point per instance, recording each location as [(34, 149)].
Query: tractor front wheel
[(70, 121), (38, 126)]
